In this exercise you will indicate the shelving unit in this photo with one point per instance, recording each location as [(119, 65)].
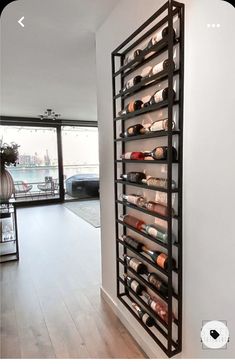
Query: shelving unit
[(9, 249), (166, 333)]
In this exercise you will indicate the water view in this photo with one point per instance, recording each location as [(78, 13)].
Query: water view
[(38, 174)]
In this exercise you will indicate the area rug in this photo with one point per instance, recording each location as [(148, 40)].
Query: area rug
[(87, 210)]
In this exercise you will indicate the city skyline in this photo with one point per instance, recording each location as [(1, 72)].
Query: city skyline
[(80, 145)]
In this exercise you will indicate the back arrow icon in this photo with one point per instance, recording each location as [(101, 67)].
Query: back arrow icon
[(20, 21)]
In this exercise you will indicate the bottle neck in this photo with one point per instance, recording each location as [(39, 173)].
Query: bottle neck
[(146, 250)]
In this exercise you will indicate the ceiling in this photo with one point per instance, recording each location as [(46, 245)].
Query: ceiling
[(50, 63)]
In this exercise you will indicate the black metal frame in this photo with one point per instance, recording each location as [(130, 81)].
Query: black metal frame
[(57, 124), (173, 8)]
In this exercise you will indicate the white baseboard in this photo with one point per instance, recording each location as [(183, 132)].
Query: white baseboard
[(142, 343)]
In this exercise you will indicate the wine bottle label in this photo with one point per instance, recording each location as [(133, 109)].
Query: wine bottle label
[(131, 106), (159, 153), (132, 199), (157, 182), (132, 242), (158, 96), (146, 71), (127, 155), (158, 68), (131, 131), (134, 285), (161, 259), (145, 318), (134, 264), (155, 282), (155, 233), (146, 98), (130, 83), (161, 197), (159, 125), (153, 306), (157, 37)]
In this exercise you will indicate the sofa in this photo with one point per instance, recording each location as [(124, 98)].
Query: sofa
[(83, 186)]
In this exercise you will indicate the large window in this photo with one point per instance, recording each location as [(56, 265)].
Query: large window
[(36, 174)]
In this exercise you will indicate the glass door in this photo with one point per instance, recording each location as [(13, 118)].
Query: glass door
[(36, 175), (80, 162)]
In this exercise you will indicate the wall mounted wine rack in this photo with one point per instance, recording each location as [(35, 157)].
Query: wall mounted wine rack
[(166, 331)]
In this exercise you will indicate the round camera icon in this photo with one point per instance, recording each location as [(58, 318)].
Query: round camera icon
[(214, 334)]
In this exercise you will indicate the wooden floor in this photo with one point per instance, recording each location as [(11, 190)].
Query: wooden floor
[(50, 300)]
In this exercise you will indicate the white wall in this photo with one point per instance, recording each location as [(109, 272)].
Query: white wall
[(209, 168)]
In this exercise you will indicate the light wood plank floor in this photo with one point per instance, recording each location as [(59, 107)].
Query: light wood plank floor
[(50, 300)]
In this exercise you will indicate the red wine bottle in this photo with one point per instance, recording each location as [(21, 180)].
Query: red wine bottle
[(134, 177), (133, 155), (147, 320)]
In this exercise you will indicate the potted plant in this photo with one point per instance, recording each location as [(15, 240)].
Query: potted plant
[(8, 156)]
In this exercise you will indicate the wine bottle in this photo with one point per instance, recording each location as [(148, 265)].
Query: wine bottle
[(157, 306), (134, 177), (132, 242), (147, 320), (131, 107), (133, 221), (132, 56), (157, 182), (162, 66), (135, 264), (132, 82), (156, 207), (156, 232), (159, 36), (158, 283), (134, 199), (146, 101), (137, 129), (160, 153), (161, 125), (161, 95), (151, 229), (133, 155), (133, 284), (161, 259), (146, 72)]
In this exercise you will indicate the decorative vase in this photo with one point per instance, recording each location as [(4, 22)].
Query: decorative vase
[(7, 187)]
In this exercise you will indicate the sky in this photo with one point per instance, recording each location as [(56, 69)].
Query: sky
[(80, 145)]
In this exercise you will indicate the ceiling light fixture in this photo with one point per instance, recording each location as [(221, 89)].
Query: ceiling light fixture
[(49, 114)]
